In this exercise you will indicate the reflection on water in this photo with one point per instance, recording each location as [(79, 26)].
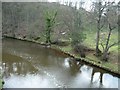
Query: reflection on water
[(16, 65), (30, 65)]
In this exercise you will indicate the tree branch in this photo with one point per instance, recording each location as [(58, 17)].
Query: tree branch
[(102, 25), (103, 7), (102, 46), (114, 44), (111, 28), (53, 19)]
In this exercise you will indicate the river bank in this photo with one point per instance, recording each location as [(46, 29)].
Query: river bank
[(97, 63)]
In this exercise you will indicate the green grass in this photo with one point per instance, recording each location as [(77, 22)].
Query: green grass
[(90, 40), (91, 36), (108, 64), (111, 66), (67, 48)]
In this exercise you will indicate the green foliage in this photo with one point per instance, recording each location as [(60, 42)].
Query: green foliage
[(77, 38), (50, 21), (77, 35)]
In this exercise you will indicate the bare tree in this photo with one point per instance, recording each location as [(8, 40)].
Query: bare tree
[(98, 10), (112, 19)]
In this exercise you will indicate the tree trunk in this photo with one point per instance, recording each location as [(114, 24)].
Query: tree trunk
[(105, 53), (101, 78), (93, 72), (98, 52), (105, 56), (48, 38)]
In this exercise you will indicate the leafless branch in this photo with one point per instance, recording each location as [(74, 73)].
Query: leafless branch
[(102, 25), (110, 27), (102, 46), (116, 43), (104, 7)]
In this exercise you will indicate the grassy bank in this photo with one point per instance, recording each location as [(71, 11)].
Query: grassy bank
[(112, 63), (110, 66)]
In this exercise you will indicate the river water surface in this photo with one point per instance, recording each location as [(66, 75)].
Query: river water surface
[(30, 65)]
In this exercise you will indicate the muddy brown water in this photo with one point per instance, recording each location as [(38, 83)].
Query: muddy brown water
[(30, 65)]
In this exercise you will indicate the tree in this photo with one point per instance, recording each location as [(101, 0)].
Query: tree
[(112, 19), (77, 34), (50, 21), (99, 9)]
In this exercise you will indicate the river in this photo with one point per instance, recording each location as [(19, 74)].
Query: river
[(30, 65)]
